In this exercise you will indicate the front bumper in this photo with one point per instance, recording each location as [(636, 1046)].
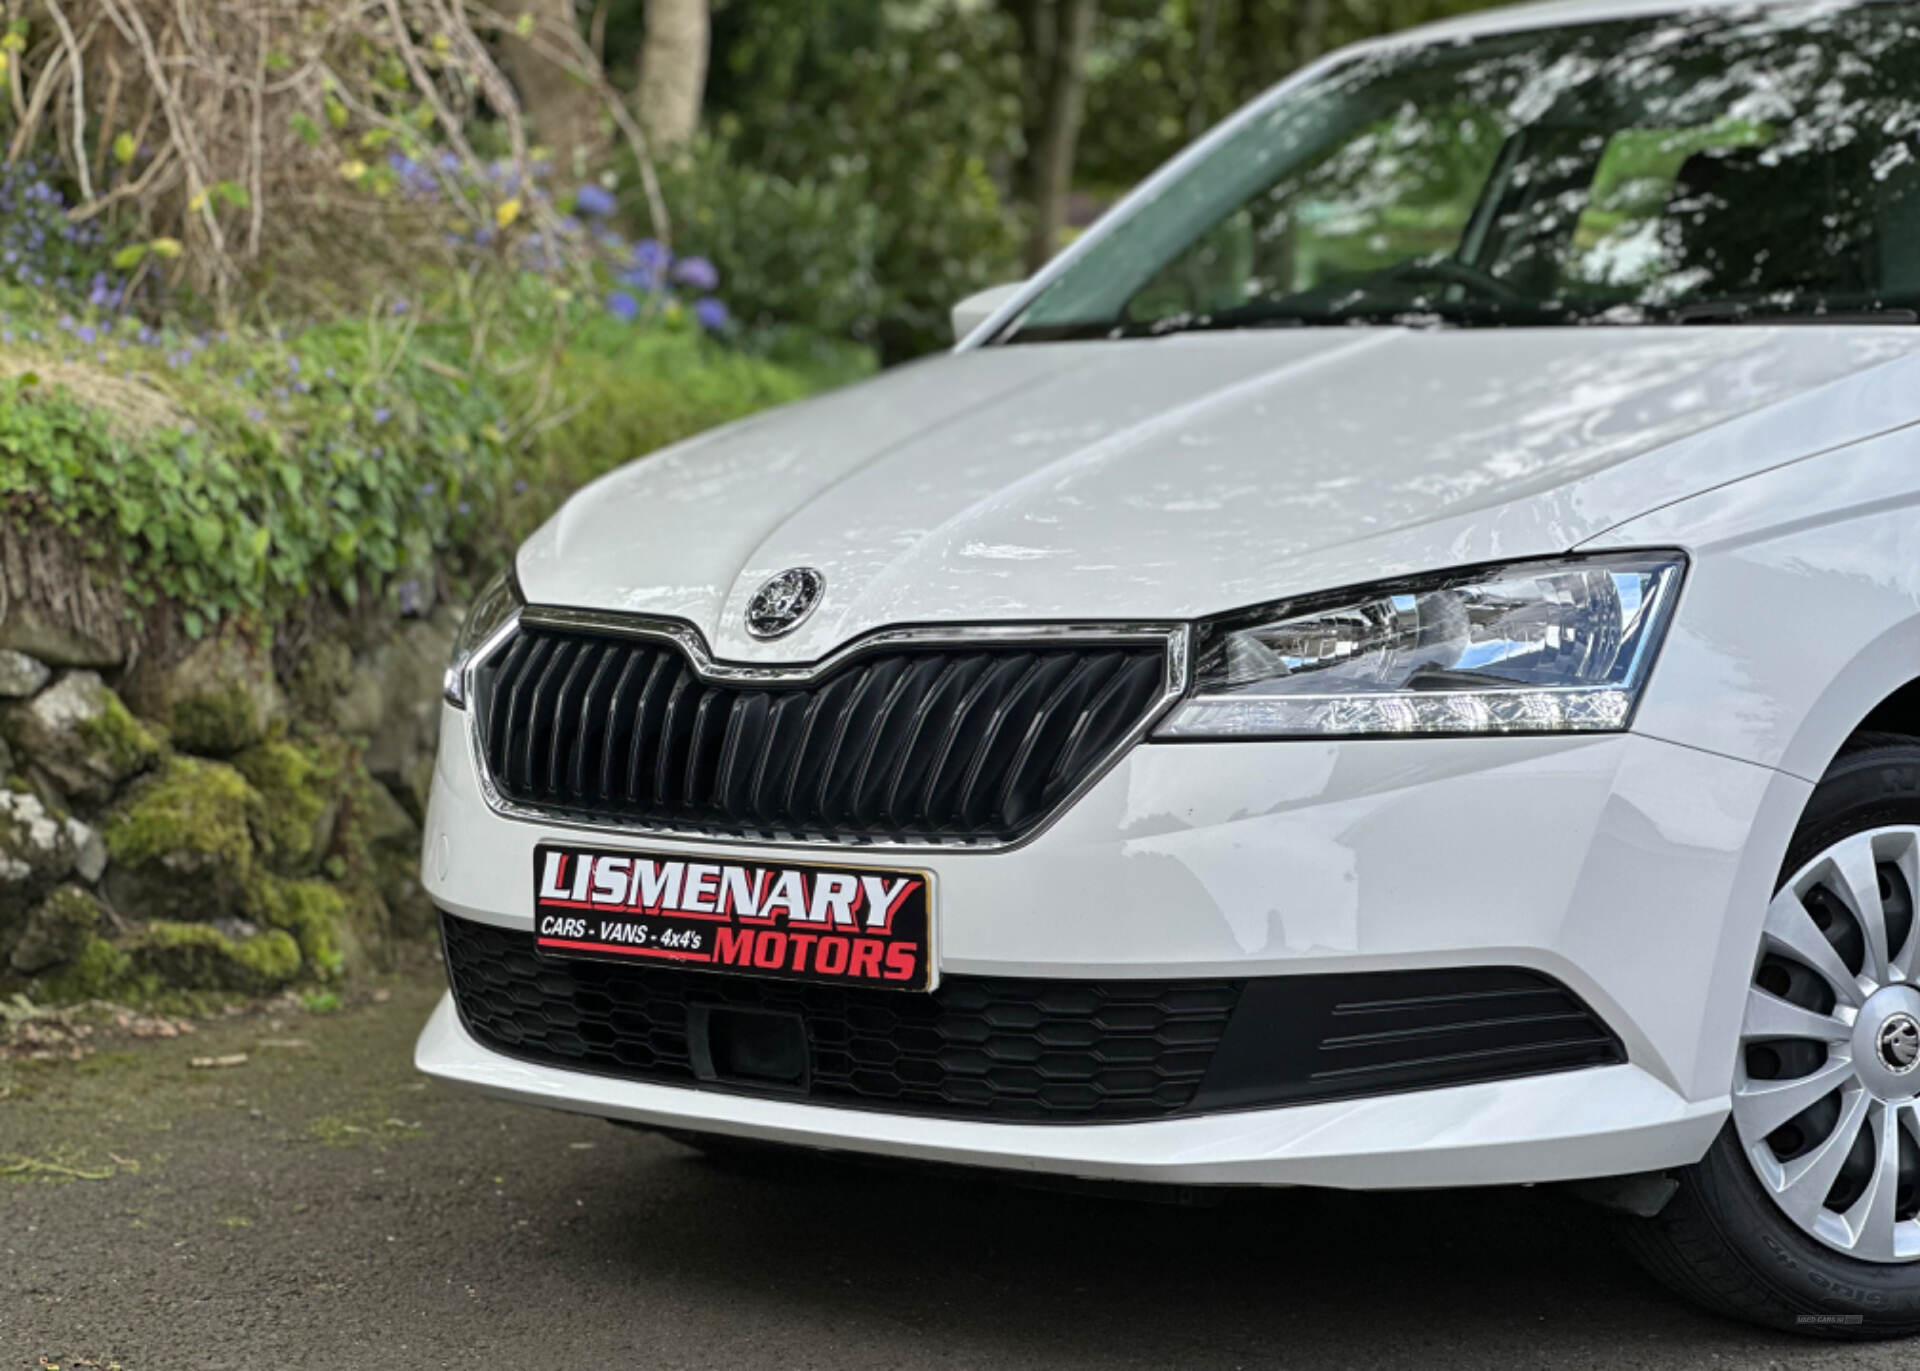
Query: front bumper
[(1606, 1121), (1633, 871)]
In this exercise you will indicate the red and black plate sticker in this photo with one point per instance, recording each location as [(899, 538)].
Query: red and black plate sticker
[(785, 920)]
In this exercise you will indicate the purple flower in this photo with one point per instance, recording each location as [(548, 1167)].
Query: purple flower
[(696, 272), (257, 415), (622, 305), (593, 200), (711, 313), (650, 259), (430, 488), (381, 415)]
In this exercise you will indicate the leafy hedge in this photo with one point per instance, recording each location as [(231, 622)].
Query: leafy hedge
[(240, 473)]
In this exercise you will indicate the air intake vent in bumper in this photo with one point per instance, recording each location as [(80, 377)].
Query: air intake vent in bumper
[(1037, 1051)]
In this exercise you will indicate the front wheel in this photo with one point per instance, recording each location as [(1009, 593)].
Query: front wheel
[(1805, 1214)]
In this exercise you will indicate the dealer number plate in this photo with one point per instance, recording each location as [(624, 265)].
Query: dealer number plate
[(833, 925)]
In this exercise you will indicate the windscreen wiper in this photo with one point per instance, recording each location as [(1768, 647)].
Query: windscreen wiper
[(1744, 312)]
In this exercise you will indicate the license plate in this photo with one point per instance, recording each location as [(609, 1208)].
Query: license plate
[(796, 921)]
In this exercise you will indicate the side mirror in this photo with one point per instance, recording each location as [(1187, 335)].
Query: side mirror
[(977, 308)]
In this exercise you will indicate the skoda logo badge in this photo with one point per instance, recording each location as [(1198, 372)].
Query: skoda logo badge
[(1900, 1043), (783, 603)]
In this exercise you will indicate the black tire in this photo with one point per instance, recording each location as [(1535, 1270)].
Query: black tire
[(1721, 1241)]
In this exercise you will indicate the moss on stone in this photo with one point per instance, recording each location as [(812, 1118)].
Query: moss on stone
[(126, 743), (218, 698), (298, 783), (192, 806), (323, 674), (57, 931), (217, 722), (98, 971), (182, 842), (315, 913), (199, 957)]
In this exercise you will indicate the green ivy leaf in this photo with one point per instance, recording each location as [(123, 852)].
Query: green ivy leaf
[(207, 534)]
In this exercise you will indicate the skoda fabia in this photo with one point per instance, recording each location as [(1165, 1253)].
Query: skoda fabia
[(1393, 662)]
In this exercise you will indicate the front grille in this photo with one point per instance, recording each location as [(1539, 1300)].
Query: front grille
[(1034, 1051), (929, 743), (1040, 1051)]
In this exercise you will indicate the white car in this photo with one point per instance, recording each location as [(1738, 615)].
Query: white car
[(1394, 662)]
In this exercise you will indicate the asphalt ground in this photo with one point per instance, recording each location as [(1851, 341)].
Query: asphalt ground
[(320, 1205)]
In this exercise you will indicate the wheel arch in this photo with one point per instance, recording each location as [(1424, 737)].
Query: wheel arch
[(1878, 691)]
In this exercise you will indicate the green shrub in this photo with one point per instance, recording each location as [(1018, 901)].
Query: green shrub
[(260, 471), (242, 473), (906, 113), (788, 249)]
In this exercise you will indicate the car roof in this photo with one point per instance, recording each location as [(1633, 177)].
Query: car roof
[(1546, 14)]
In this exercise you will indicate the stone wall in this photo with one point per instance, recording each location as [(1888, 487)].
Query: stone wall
[(207, 825)]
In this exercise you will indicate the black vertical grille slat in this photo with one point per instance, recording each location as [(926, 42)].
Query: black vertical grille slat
[(498, 703), (775, 759), (1027, 772), (647, 713), (531, 747), (581, 780), (947, 742), (1130, 686), (620, 719), (672, 742), (568, 717)]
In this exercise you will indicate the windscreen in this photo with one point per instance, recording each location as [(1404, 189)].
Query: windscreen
[(1721, 166)]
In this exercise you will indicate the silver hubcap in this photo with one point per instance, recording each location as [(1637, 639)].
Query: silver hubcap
[(1824, 1095)]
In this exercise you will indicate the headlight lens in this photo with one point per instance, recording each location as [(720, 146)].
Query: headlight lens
[(497, 605), (1540, 647)]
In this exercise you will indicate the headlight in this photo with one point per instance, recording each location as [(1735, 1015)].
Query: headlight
[(1538, 647), (497, 605)]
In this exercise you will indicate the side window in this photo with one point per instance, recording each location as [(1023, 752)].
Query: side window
[(1403, 188)]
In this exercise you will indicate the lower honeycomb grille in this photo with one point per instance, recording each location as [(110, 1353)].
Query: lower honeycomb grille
[(1035, 1051), (1023, 1050)]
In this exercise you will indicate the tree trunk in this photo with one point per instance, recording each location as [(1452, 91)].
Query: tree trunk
[(564, 110), (1311, 40), (1206, 39), (673, 70), (1056, 34)]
